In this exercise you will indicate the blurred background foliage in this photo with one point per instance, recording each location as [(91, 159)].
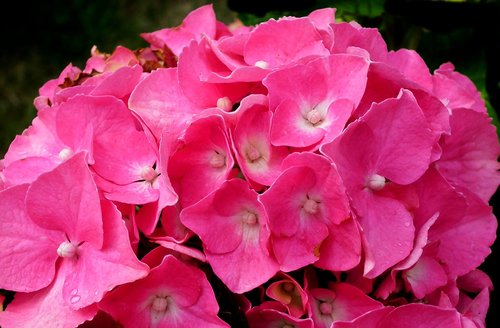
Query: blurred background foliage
[(38, 39)]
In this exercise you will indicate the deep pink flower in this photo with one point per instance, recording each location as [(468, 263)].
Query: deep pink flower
[(232, 224), (59, 218), (391, 143), (267, 317), (456, 90), (203, 161), (197, 24), (258, 159), (174, 294), (313, 102), (410, 315), (303, 202), (340, 302), (470, 153)]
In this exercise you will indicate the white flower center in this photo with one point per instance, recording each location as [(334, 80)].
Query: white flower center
[(67, 249), (314, 116), (253, 154), (249, 218), (225, 104), (148, 173), (262, 64), (217, 160), (160, 304), (65, 153), (376, 182), (311, 206)]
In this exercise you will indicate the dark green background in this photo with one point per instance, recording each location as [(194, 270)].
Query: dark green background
[(39, 39)]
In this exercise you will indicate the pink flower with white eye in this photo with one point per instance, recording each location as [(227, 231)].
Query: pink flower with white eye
[(203, 161), (184, 299), (258, 159), (72, 247), (313, 102), (232, 224), (303, 202), (340, 302), (391, 143)]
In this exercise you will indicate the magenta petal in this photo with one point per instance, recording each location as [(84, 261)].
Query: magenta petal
[(422, 316), (290, 128), (426, 276), (341, 250), (28, 253), (203, 162), (160, 102), (282, 42), (266, 318), (470, 153), (369, 319), (465, 240), (198, 23), (389, 232), (78, 212), (45, 308), (185, 299), (98, 271), (232, 225)]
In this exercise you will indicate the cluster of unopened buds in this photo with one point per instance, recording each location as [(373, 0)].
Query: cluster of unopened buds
[(290, 174)]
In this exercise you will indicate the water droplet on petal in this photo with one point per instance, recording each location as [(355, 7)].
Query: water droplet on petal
[(75, 299), (407, 224), (74, 292)]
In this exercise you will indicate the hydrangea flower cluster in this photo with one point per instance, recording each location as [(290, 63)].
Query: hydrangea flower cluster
[(290, 174)]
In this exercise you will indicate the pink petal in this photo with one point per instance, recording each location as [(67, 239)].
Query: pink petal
[(196, 64), (204, 161), (265, 318), (422, 316), (195, 25), (456, 90), (98, 271), (341, 250), (160, 102), (279, 42), (258, 159), (425, 276), (232, 225), (190, 299), (78, 212), (46, 307), (470, 153), (28, 253), (412, 66)]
